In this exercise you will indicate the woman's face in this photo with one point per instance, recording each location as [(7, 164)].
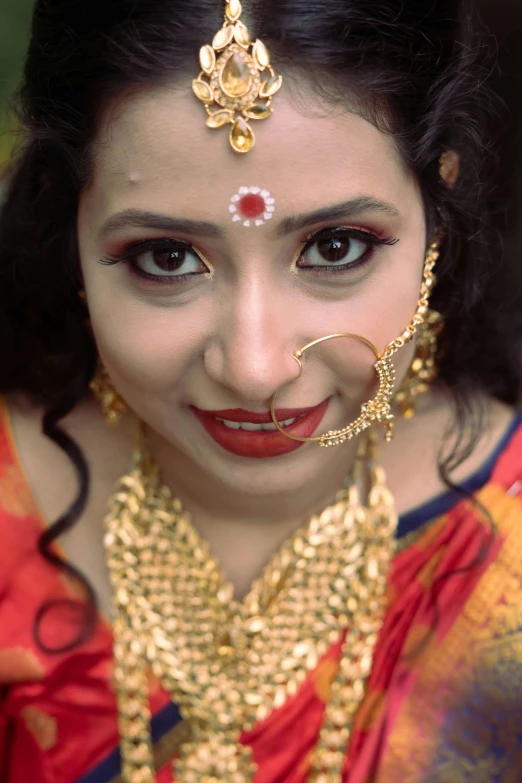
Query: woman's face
[(198, 327)]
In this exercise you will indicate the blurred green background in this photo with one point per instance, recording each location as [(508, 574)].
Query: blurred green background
[(15, 16)]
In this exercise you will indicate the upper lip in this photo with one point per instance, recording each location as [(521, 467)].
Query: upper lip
[(240, 414)]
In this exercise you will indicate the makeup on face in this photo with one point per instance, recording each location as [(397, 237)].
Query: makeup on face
[(249, 434), (180, 340)]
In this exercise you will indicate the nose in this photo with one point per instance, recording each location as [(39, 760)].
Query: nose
[(251, 351)]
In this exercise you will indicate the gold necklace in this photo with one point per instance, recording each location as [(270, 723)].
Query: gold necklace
[(228, 664)]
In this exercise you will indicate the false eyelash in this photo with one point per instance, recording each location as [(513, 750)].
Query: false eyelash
[(131, 252), (136, 248), (354, 233), (372, 240)]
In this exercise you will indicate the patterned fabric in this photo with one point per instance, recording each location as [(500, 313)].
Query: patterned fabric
[(443, 703)]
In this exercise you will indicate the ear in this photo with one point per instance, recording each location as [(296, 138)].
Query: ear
[(449, 165)]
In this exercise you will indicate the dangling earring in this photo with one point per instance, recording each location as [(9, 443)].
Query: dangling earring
[(423, 369), (113, 405)]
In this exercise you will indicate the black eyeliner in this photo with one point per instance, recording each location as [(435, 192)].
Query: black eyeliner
[(354, 233), (372, 240), (129, 255), (134, 249)]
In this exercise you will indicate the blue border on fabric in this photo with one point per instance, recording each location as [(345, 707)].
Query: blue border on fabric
[(110, 767), (444, 502)]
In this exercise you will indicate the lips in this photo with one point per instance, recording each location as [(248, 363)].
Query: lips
[(260, 444)]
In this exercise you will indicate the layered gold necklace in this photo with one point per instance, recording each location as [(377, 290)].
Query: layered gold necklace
[(227, 664)]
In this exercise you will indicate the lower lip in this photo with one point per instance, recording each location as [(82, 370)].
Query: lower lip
[(262, 444)]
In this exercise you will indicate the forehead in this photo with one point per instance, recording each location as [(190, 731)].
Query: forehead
[(155, 146)]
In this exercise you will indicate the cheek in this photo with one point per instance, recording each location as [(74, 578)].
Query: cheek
[(350, 362), (147, 348), (392, 304), (402, 361)]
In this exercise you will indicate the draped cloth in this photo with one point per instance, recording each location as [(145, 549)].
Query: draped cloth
[(443, 701)]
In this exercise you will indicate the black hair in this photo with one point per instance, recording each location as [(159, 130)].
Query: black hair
[(418, 68)]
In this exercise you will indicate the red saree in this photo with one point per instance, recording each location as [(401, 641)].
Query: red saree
[(444, 701)]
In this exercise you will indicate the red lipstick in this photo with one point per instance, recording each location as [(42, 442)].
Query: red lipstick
[(260, 444)]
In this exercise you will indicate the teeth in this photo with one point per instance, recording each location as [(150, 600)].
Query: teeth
[(251, 427), (233, 425)]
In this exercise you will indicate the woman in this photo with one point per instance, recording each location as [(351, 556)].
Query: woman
[(217, 231)]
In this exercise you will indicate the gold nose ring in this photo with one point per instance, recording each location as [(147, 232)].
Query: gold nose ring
[(379, 407), (376, 409)]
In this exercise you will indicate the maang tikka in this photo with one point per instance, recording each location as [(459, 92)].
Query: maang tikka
[(236, 85)]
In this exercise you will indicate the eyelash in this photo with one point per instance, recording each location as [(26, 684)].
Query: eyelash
[(367, 237), (132, 252)]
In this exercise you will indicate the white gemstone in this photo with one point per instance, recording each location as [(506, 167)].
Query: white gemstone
[(270, 208), (259, 222), (243, 190), (254, 189), (265, 193), (270, 200), (247, 223), (235, 198), (236, 217), (267, 215), (232, 208)]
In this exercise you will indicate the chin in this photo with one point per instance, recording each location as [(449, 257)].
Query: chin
[(278, 475)]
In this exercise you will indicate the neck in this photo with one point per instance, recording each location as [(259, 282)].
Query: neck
[(244, 528)]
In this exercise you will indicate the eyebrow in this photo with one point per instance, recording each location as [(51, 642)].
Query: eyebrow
[(346, 209), (137, 218)]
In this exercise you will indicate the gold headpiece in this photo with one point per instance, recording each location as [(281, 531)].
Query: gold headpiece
[(238, 81)]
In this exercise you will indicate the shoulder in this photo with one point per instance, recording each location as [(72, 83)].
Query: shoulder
[(18, 511), (21, 525), (507, 470), (50, 483), (434, 437), (47, 475)]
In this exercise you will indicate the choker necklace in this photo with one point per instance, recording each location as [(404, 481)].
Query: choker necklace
[(226, 663)]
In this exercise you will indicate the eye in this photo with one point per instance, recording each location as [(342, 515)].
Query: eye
[(339, 248), (164, 260)]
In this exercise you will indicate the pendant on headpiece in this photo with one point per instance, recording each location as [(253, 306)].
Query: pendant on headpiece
[(236, 85)]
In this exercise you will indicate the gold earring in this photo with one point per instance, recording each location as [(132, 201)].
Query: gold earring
[(423, 369), (379, 408), (112, 404)]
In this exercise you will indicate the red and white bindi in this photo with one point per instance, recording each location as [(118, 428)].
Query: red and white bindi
[(252, 206)]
